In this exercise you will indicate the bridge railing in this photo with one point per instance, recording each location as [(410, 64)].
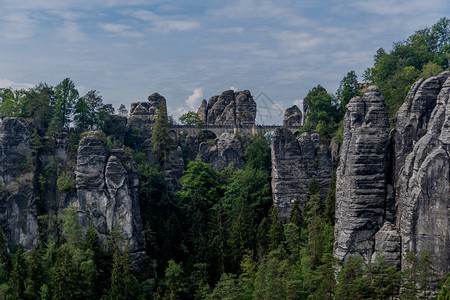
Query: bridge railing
[(206, 126)]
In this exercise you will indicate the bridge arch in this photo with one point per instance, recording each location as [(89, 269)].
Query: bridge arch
[(204, 135)]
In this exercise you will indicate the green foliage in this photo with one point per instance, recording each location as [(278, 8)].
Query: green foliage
[(174, 280), (191, 118), (275, 278), (124, 284), (257, 154), (431, 69), (160, 137), (321, 112), (66, 181), (71, 228), (422, 54), (66, 96), (87, 110), (445, 288), (352, 283), (348, 89)]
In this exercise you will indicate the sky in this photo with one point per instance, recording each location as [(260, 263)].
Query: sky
[(191, 50)]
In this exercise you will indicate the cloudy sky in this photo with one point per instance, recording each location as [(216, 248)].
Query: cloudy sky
[(190, 50)]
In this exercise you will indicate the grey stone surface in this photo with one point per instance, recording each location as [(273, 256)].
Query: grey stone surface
[(294, 164), (107, 192), (387, 244), (361, 175), (292, 116), (142, 116), (18, 211), (173, 169), (202, 111), (230, 108), (227, 148), (423, 172)]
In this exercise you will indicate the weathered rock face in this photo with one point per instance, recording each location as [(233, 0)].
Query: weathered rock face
[(230, 108), (292, 116), (422, 185), (107, 192), (227, 148), (173, 169), (294, 164), (142, 116), (387, 244), (411, 120), (361, 175), (18, 211), (202, 111)]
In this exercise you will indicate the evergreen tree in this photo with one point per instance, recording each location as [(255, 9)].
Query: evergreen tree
[(275, 234), (124, 284), (123, 112), (66, 96), (348, 89), (17, 276), (87, 110), (160, 137)]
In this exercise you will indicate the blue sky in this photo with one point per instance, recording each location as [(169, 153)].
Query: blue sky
[(191, 50)]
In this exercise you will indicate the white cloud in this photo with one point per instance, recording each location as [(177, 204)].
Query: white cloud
[(6, 83), (263, 9), (165, 24), (17, 26), (398, 7), (233, 88), (72, 32), (193, 101), (294, 42), (121, 29)]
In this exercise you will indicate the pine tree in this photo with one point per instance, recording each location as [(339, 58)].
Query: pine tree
[(18, 274), (66, 95), (275, 234), (160, 136)]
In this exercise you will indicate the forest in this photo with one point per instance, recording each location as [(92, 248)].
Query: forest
[(219, 236)]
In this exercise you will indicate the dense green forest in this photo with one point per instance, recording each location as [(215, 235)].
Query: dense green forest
[(219, 237)]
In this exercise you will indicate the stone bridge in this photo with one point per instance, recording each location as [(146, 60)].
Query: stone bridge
[(176, 131)]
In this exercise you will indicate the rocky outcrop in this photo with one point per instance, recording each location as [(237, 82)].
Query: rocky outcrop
[(18, 210), (295, 162), (227, 148), (422, 178), (361, 175), (230, 108), (387, 244), (107, 192), (292, 116), (403, 207), (173, 169), (203, 111), (142, 116), (412, 118)]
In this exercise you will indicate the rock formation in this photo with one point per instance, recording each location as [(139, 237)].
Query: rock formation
[(173, 169), (18, 210), (227, 148), (230, 108), (422, 178), (402, 206), (142, 116), (361, 175), (292, 116), (295, 162), (107, 192)]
